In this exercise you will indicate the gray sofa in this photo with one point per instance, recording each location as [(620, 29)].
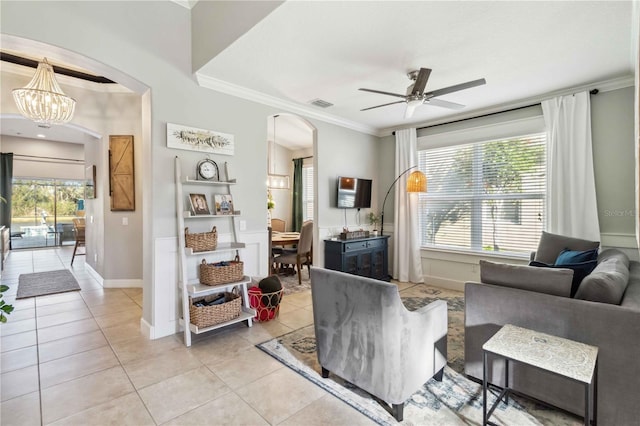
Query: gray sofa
[(365, 335), (613, 328)]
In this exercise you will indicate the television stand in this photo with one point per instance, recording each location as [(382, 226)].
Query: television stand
[(367, 257)]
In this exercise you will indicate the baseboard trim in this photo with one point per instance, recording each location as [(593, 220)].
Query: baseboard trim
[(129, 283), (92, 272), (444, 283), (153, 333)]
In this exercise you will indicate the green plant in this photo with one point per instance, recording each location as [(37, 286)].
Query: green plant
[(374, 219), (4, 307)]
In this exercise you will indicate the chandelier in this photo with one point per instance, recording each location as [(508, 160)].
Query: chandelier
[(274, 180), (42, 100)]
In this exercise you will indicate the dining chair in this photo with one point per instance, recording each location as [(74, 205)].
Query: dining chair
[(304, 252), (278, 225), (78, 229)]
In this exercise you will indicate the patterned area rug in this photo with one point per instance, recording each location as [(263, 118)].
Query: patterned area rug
[(290, 282), (455, 400), (50, 282)]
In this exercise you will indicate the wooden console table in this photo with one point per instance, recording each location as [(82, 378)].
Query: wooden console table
[(367, 257)]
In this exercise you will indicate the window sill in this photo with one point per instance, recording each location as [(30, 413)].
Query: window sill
[(473, 256)]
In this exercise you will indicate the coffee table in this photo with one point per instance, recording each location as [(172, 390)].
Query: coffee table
[(564, 357)]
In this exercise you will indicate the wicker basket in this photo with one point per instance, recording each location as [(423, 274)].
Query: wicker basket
[(221, 272), (204, 241), (206, 316)]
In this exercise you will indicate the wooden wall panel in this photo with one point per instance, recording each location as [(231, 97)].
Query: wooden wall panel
[(121, 173)]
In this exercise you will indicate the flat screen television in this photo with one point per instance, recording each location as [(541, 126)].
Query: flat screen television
[(353, 193)]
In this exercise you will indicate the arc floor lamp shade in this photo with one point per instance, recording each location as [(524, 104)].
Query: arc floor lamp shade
[(42, 100)]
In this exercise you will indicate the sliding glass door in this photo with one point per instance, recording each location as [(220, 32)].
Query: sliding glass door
[(42, 212)]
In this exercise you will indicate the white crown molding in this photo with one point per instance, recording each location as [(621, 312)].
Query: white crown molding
[(602, 86), (259, 97)]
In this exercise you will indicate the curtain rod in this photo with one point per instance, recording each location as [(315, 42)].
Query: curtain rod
[(302, 158), (593, 92), (47, 158)]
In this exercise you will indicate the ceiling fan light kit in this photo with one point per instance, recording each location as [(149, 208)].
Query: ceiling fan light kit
[(42, 100), (416, 95)]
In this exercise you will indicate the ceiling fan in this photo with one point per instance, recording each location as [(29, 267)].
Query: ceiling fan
[(416, 95)]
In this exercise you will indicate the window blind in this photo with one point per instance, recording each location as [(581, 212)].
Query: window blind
[(486, 196)]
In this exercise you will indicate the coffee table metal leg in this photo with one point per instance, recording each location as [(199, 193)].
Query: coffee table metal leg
[(587, 400), (506, 380), (595, 394), (484, 388)]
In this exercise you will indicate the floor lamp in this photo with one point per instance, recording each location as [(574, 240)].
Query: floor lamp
[(416, 182)]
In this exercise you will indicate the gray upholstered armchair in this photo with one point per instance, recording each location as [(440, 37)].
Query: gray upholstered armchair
[(365, 335)]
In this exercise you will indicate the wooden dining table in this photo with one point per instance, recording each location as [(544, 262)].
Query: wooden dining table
[(285, 238)]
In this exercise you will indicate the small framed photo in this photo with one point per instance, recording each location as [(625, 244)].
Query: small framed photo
[(224, 204), (199, 204)]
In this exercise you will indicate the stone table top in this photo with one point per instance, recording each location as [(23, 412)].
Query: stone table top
[(555, 354)]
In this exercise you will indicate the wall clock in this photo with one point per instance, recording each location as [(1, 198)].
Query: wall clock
[(207, 169)]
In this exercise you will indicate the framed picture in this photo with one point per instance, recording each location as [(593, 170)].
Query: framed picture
[(224, 204), (199, 204), (193, 139), (90, 182)]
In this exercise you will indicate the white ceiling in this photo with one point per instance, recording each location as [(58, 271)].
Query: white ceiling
[(327, 50)]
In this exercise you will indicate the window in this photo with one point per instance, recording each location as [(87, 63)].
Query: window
[(307, 193), (485, 197)]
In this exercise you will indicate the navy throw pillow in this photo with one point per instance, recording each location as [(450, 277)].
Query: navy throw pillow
[(580, 271), (571, 257)]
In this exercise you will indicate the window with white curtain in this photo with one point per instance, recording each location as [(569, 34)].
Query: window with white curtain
[(307, 193), (485, 197)]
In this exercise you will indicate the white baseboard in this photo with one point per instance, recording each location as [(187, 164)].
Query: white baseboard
[(444, 283), (92, 272), (152, 333), (131, 283)]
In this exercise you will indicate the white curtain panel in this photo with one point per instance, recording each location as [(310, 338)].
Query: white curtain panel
[(571, 190), (407, 265)]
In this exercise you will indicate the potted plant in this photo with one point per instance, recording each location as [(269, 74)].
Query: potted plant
[(374, 219)]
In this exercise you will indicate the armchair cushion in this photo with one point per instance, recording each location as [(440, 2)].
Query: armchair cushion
[(556, 281), (551, 245)]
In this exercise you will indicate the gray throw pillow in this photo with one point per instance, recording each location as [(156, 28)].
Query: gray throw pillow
[(551, 245), (607, 282), (556, 282)]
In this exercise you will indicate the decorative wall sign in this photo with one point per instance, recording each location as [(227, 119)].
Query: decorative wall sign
[(121, 173), (192, 139)]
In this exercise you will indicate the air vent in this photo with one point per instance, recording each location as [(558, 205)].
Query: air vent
[(320, 103)]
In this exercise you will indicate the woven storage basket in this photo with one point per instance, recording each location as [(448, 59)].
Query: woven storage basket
[(206, 316), (204, 241), (266, 305), (221, 272)]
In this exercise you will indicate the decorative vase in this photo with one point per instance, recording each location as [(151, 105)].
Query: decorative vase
[(374, 233)]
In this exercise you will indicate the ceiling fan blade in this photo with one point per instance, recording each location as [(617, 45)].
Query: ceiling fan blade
[(456, 88), (378, 106), (421, 81), (444, 104), (383, 93)]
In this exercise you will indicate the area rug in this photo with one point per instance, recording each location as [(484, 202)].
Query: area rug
[(290, 282), (455, 400), (49, 282)]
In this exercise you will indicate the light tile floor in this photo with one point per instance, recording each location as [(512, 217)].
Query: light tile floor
[(78, 358)]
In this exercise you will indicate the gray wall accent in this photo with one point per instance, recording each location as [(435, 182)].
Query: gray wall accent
[(217, 24), (612, 126)]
